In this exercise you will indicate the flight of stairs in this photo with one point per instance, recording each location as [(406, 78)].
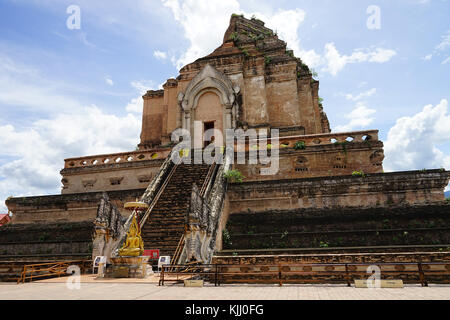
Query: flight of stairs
[(166, 222)]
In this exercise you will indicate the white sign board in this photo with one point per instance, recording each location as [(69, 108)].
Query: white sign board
[(99, 262), (163, 260)]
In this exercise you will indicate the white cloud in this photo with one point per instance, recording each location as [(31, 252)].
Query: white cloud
[(136, 104), (32, 154), (360, 118), (446, 61), (109, 81), (335, 62), (24, 87), (160, 55), (412, 142), (362, 95), (441, 48), (445, 42), (39, 150), (143, 86), (287, 24), (204, 23)]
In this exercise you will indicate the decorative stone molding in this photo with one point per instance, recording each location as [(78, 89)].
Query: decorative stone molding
[(89, 183), (115, 180)]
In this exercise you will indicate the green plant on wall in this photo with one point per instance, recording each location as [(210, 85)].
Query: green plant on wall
[(300, 145), (305, 68), (323, 244), (234, 176), (358, 174), (226, 238), (344, 146), (234, 36)]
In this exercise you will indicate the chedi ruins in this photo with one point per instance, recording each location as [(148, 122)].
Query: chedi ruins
[(328, 201)]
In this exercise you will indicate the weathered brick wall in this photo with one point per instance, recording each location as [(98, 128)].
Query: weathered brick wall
[(46, 240), (39, 232), (343, 227), (372, 190), (66, 208), (326, 160), (335, 258)]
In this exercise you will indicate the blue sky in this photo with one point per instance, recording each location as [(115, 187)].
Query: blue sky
[(68, 93)]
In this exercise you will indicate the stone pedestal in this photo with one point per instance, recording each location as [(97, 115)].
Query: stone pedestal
[(127, 267)]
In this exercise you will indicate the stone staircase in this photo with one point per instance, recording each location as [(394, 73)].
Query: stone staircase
[(166, 223)]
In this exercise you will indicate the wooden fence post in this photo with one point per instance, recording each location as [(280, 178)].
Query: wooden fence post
[(423, 281), (347, 276), (279, 275)]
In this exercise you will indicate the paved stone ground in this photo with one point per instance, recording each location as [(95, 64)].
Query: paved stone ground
[(151, 291)]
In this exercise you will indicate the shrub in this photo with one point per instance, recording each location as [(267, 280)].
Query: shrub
[(234, 36), (358, 173), (234, 176), (300, 145), (226, 238), (323, 244), (290, 53), (305, 67)]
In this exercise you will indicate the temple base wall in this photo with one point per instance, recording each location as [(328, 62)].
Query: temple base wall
[(66, 208), (371, 190)]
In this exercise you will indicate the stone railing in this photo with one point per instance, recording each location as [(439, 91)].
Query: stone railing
[(285, 142), (328, 138), (117, 158)]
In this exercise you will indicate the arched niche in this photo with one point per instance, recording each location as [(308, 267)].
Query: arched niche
[(210, 82)]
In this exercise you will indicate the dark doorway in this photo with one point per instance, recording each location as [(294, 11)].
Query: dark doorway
[(207, 126)]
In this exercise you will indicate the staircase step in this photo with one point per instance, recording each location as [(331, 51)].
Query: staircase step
[(165, 225)]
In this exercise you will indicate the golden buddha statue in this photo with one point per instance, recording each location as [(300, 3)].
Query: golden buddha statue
[(133, 246)]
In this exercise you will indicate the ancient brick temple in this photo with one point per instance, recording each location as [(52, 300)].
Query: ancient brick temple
[(329, 194)]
